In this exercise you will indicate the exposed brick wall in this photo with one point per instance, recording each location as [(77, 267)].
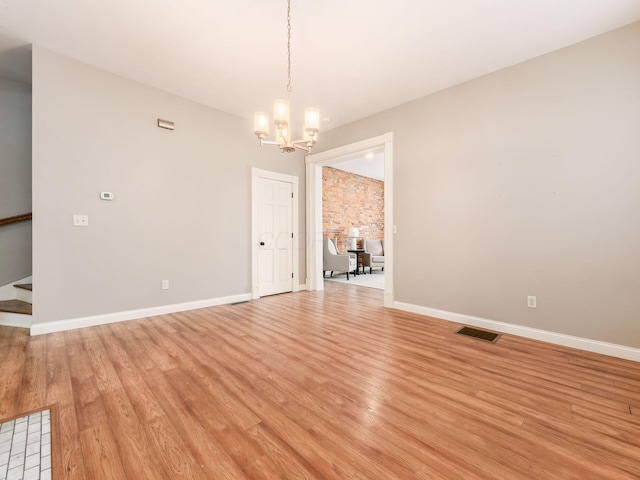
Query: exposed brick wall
[(350, 200)]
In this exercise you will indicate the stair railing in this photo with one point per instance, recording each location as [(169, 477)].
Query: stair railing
[(15, 219)]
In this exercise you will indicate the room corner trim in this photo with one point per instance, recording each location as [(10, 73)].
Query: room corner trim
[(81, 322), (595, 346)]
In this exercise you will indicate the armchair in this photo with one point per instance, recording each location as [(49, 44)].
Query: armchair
[(334, 261), (373, 255)]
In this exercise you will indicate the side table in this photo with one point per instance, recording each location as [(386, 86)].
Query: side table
[(358, 253)]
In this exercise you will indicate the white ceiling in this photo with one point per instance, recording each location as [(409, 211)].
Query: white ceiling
[(367, 164), (351, 58)]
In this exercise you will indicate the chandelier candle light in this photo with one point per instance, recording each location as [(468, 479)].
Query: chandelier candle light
[(281, 111)]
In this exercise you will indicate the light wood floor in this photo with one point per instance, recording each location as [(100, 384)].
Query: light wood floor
[(321, 386)]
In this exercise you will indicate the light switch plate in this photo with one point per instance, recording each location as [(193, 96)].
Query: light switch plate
[(81, 220)]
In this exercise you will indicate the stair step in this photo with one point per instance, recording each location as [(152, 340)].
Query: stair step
[(24, 292), (15, 306)]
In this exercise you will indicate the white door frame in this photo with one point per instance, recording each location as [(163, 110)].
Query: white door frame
[(281, 177), (315, 162)]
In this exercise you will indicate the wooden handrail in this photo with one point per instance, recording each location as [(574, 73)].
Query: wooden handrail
[(17, 218)]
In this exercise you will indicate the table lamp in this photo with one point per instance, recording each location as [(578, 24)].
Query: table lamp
[(353, 233)]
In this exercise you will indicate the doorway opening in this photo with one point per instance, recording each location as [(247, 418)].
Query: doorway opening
[(315, 162)]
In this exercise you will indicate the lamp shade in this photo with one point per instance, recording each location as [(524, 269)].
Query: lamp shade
[(311, 120), (261, 124), (281, 113), (353, 232)]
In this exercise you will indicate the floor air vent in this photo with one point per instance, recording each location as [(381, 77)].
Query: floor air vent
[(483, 335)]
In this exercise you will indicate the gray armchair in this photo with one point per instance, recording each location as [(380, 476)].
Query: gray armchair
[(374, 254), (334, 261)]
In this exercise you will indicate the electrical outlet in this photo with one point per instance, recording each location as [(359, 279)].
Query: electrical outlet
[(165, 284), (531, 302)]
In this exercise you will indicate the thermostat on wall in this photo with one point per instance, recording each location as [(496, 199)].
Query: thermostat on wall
[(106, 195)]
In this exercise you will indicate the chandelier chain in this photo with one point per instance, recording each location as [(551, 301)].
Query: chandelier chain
[(289, 47)]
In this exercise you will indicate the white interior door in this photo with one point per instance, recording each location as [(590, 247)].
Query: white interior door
[(275, 236)]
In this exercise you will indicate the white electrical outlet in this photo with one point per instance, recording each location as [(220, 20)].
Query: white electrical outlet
[(81, 220), (165, 284), (531, 302)]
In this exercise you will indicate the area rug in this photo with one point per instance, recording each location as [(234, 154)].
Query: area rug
[(373, 280)]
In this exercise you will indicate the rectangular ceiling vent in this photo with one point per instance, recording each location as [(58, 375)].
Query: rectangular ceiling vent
[(483, 335)]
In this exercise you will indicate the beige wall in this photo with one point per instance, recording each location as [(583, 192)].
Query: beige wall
[(182, 207), (524, 182), (15, 179)]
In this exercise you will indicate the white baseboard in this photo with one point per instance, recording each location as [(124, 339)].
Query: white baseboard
[(81, 322), (8, 319), (596, 346)]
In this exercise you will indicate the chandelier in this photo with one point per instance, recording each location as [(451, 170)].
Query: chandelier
[(281, 110)]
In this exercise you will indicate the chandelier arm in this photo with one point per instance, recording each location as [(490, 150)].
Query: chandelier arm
[(269, 142), (306, 149), (303, 141)]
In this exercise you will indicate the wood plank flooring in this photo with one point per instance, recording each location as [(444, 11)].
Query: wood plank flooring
[(322, 385)]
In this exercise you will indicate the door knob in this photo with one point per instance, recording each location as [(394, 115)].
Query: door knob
[(262, 244)]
